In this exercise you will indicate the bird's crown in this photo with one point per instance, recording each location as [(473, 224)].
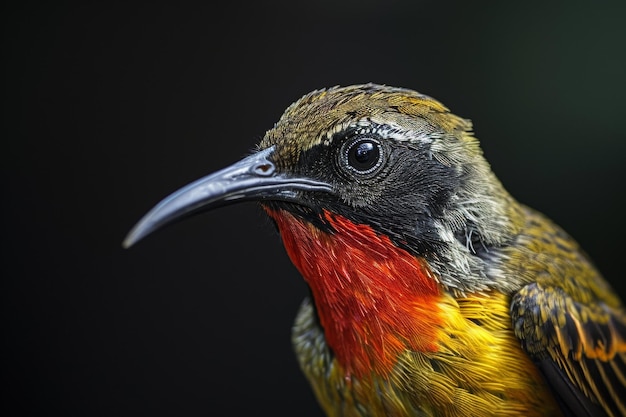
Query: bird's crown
[(404, 114)]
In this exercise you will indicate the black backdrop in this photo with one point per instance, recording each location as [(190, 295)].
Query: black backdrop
[(109, 107)]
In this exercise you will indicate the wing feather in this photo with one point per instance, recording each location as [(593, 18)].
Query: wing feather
[(580, 349)]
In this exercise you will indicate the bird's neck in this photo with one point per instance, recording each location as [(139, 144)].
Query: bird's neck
[(374, 300)]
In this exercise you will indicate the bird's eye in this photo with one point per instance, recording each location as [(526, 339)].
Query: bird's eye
[(362, 155)]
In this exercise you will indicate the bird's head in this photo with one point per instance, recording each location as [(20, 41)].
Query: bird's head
[(387, 158)]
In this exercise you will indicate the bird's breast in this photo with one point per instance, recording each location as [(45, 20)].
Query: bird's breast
[(374, 300)]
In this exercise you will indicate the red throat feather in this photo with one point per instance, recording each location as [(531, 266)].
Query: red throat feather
[(374, 299)]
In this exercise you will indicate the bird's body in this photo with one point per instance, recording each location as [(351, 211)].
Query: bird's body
[(428, 352), (433, 291)]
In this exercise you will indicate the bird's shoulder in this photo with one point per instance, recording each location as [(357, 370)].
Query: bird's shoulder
[(569, 320)]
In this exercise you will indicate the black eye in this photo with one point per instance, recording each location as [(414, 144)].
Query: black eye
[(362, 155)]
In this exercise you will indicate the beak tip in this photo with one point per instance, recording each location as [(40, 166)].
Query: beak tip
[(127, 243), (132, 238)]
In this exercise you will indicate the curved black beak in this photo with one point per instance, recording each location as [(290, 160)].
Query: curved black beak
[(253, 178)]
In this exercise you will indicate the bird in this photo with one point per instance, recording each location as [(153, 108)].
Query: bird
[(433, 291)]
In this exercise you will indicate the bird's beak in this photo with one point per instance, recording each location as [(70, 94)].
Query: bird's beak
[(253, 178)]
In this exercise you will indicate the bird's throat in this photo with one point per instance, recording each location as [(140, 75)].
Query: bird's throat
[(374, 299)]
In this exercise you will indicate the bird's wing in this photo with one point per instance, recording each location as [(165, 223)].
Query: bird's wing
[(580, 348)]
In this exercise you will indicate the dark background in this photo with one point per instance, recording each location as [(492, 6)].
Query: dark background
[(110, 107)]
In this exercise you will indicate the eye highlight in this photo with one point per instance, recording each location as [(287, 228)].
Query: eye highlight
[(362, 155)]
